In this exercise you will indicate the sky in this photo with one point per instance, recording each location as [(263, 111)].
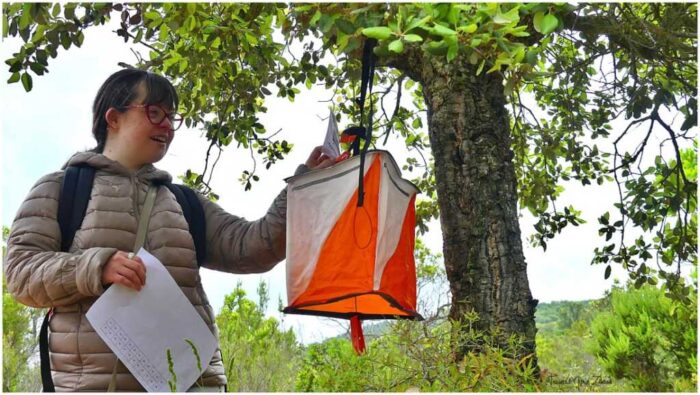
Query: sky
[(40, 130)]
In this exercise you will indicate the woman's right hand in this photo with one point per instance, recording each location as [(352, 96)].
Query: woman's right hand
[(119, 269)]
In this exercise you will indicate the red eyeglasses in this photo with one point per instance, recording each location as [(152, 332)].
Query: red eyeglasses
[(156, 114)]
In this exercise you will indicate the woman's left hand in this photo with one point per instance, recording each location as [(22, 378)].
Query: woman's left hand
[(318, 160)]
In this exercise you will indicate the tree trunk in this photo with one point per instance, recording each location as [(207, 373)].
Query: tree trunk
[(477, 195)]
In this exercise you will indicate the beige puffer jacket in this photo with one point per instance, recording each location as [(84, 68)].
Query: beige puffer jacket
[(39, 276)]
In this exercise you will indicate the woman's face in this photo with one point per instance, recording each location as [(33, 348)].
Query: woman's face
[(144, 131)]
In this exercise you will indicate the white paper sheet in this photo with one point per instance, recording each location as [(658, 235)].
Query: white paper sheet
[(331, 145), (140, 326)]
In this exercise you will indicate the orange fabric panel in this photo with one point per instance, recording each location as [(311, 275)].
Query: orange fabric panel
[(346, 261), (367, 304), (346, 138), (400, 270)]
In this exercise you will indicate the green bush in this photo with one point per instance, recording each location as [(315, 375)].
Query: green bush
[(19, 344), (563, 342), (648, 339), (19, 341), (568, 366), (258, 354), (416, 356)]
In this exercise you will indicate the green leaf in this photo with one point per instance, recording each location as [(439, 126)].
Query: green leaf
[(608, 271), (37, 68), (345, 26), (509, 17), (531, 57), (378, 32), (139, 36), (27, 82), (413, 38), (69, 11), (56, 10), (443, 31), (79, 38), (418, 23), (396, 46), (481, 67), (163, 33), (549, 23), (471, 28), (38, 33), (251, 39), (26, 17), (519, 54), (65, 40), (453, 15), (153, 16), (510, 84), (191, 22), (170, 61), (537, 21), (325, 23), (452, 51), (501, 19), (315, 18), (13, 78), (437, 47), (183, 65)]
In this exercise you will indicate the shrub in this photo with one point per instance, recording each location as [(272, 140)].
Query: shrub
[(648, 339), (258, 354), (417, 356)]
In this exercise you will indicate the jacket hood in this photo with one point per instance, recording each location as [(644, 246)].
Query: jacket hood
[(101, 162)]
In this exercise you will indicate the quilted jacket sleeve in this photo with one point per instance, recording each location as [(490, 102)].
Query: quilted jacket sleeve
[(37, 274), (236, 245)]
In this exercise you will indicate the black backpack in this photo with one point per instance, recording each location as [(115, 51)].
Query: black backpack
[(75, 195)]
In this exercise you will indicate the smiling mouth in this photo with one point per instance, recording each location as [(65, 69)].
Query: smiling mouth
[(160, 139)]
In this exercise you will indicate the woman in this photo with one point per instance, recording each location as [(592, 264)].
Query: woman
[(134, 124)]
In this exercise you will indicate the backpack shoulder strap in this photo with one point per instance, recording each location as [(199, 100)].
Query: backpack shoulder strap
[(76, 189), (46, 379), (72, 203), (194, 214)]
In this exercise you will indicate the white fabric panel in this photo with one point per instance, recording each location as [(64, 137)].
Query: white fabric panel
[(394, 196), (315, 201)]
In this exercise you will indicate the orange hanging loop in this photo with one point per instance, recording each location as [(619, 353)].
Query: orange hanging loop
[(358, 338)]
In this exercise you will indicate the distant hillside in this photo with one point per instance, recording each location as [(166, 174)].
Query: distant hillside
[(561, 314), (371, 330), (551, 316)]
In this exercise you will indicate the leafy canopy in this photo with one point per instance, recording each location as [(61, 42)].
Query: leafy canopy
[(570, 72)]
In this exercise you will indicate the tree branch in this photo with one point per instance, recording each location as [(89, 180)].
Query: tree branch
[(672, 134), (396, 108)]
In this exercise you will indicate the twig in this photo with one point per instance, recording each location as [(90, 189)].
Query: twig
[(396, 109), (675, 146), (640, 149), (206, 158), (211, 173), (520, 102), (160, 53)]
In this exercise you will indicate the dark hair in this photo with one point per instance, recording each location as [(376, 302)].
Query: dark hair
[(120, 89)]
